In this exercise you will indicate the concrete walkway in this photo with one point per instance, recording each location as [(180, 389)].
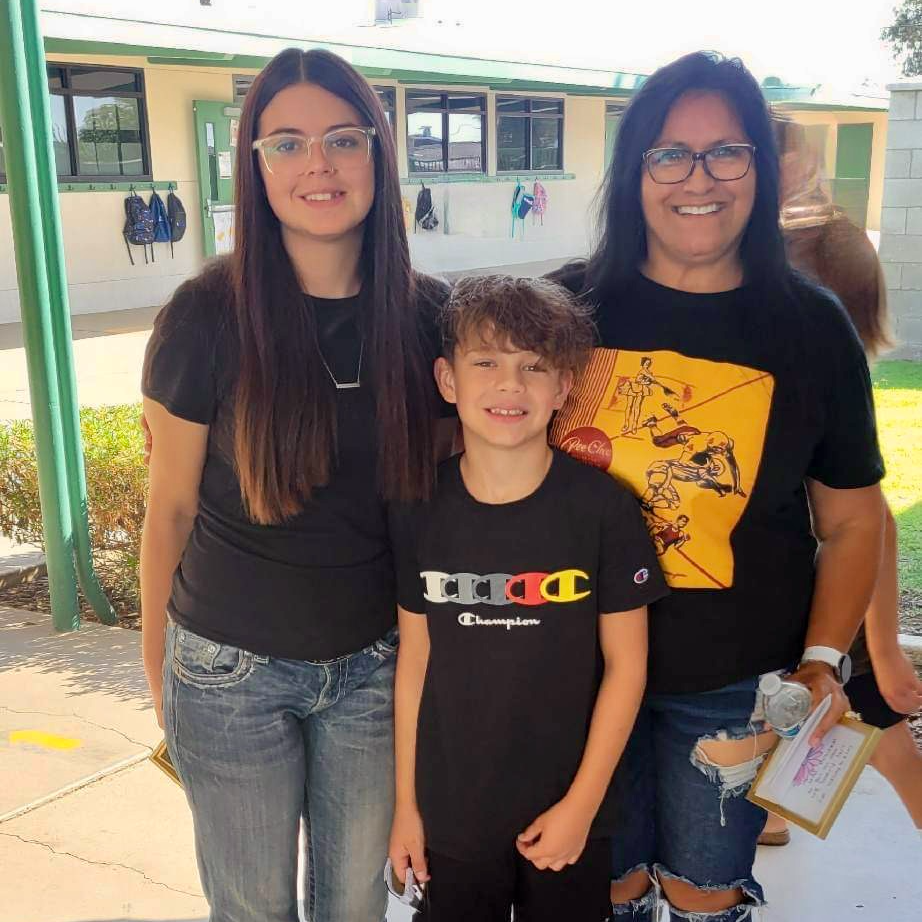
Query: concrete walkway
[(90, 831)]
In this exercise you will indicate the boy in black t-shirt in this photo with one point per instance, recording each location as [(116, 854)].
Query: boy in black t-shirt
[(517, 689)]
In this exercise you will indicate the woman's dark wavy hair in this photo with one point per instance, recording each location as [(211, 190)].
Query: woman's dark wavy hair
[(285, 407), (622, 246)]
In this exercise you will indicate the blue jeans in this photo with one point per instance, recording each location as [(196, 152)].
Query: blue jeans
[(682, 817), (261, 743)]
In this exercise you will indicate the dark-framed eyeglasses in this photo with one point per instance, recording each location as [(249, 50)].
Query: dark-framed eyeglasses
[(726, 162), (343, 148)]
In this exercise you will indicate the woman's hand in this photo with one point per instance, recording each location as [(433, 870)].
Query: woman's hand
[(156, 694), (408, 844), (898, 682), (556, 838), (821, 681)]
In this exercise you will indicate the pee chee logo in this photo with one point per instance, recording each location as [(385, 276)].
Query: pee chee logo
[(641, 576)]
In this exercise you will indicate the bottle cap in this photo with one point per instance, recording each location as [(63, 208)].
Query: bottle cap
[(770, 684)]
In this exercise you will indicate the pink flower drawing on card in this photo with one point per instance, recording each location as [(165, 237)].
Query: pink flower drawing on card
[(810, 766)]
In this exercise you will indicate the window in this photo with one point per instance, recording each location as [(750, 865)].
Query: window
[(391, 10), (529, 134), (388, 97), (242, 84), (445, 132), (98, 123)]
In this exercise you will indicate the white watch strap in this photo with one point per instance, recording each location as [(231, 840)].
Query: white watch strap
[(829, 655)]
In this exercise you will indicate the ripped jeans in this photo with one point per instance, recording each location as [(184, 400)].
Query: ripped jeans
[(681, 816)]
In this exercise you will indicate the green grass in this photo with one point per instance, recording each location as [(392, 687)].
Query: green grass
[(898, 397)]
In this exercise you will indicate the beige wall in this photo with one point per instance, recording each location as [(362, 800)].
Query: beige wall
[(100, 276), (878, 149)]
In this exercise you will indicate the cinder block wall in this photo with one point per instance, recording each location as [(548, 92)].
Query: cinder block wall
[(901, 218)]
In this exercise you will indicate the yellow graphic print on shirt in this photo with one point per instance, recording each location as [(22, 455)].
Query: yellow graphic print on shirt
[(687, 435)]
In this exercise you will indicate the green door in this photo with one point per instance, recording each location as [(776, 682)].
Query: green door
[(851, 186), (216, 154), (611, 132)]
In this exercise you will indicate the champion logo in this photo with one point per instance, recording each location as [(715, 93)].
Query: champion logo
[(529, 589), (641, 576), (468, 619)]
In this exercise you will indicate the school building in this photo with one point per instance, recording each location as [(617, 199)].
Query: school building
[(145, 105)]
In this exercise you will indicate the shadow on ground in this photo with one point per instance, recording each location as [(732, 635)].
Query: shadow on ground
[(92, 660)]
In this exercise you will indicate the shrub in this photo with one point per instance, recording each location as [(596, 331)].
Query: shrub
[(116, 490)]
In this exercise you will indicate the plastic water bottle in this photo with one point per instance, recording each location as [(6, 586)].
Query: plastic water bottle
[(787, 704)]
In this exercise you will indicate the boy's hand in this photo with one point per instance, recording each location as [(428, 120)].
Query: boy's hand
[(408, 844), (556, 838), (898, 682)]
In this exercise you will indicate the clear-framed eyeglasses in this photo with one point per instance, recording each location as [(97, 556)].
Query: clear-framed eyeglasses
[(343, 149), (726, 162)]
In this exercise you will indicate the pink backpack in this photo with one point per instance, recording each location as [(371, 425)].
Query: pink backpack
[(540, 204)]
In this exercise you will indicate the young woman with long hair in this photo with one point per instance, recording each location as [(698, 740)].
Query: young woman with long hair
[(754, 453), (289, 393)]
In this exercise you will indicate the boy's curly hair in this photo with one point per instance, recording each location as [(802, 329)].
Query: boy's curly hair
[(528, 314)]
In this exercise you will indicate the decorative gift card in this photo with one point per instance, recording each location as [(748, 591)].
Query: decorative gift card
[(161, 758), (808, 785)]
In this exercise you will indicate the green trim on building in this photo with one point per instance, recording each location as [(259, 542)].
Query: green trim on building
[(90, 186), (435, 179)]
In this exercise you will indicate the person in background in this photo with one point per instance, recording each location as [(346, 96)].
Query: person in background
[(771, 418), (289, 394), (824, 244)]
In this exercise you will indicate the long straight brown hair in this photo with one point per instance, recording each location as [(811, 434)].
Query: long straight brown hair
[(285, 405)]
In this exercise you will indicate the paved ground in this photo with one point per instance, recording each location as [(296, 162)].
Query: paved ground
[(108, 351), (90, 831)]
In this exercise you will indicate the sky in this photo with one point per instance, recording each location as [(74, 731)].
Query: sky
[(835, 42), (810, 41)]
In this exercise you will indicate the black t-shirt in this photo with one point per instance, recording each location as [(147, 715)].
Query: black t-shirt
[(512, 593), (715, 418), (321, 584)]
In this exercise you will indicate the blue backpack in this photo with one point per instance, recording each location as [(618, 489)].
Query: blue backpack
[(139, 226), (161, 220), (522, 203)]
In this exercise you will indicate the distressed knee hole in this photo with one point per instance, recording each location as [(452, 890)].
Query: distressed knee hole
[(632, 886), (732, 764), (730, 902), (686, 897)]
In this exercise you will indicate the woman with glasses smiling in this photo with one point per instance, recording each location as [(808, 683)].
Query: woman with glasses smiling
[(758, 449), (289, 393)]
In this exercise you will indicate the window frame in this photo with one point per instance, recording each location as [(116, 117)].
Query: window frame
[(445, 112), (387, 96), (68, 93), (529, 116)]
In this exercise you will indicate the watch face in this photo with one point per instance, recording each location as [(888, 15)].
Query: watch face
[(845, 669)]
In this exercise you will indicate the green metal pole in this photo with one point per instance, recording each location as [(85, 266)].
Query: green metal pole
[(25, 159), (61, 332)]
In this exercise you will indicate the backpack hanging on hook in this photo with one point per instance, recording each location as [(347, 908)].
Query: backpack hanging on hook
[(139, 225), (425, 211), (539, 193), (522, 203), (176, 215)]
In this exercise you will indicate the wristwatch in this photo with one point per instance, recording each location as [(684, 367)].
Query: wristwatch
[(840, 662)]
